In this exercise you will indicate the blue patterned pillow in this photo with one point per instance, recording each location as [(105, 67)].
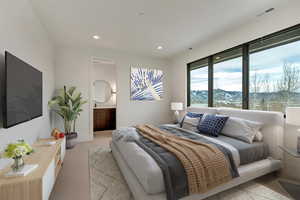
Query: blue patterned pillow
[(212, 124), (194, 115)]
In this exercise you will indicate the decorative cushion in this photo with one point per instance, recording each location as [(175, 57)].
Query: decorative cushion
[(241, 129), (191, 120), (212, 124), (258, 136)]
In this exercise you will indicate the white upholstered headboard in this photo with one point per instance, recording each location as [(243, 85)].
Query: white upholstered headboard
[(272, 130)]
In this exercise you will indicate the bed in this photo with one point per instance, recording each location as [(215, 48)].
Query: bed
[(144, 176)]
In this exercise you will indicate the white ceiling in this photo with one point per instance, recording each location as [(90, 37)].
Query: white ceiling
[(174, 24)]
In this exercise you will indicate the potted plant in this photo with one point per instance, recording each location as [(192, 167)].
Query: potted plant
[(17, 151), (68, 105)]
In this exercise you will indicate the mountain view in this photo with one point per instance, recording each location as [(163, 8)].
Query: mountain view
[(275, 101)]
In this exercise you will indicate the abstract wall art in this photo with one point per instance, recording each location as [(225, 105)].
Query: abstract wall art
[(146, 84)]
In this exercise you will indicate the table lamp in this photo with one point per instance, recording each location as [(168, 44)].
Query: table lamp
[(176, 106), (293, 118)]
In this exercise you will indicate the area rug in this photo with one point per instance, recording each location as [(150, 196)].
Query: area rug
[(107, 183), (106, 180)]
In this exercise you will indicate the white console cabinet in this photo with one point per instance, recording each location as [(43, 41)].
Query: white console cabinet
[(38, 184)]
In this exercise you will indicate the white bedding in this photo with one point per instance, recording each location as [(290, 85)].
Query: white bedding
[(145, 167), (247, 172)]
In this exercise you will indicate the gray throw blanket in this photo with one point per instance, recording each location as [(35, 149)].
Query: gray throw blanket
[(175, 177)]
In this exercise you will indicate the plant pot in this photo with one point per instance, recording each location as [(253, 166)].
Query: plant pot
[(70, 144)]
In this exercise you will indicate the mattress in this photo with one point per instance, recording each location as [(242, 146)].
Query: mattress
[(150, 175), (248, 152)]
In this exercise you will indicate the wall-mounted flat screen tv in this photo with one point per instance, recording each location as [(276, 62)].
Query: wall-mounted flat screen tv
[(23, 92)]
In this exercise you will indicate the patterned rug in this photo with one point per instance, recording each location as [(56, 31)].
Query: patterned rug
[(107, 183), (106, 180)]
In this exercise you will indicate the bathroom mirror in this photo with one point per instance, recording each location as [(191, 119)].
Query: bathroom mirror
[(102, 91)]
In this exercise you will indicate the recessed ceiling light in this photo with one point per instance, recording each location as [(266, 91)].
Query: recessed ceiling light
[(96, 37), (159, 47), (218, 57)]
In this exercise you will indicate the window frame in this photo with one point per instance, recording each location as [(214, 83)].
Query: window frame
[(245, 64)]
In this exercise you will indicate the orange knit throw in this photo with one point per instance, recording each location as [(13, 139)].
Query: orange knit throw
[(205, 165)]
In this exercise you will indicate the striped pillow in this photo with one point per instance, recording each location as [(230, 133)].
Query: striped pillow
[(191, 120)]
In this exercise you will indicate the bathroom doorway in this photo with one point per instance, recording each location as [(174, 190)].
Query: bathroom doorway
[(103, 97)]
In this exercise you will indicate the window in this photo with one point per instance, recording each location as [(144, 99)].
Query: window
[(199, 83), (263, 74), (199, 87), (228, 75), (275, 78)]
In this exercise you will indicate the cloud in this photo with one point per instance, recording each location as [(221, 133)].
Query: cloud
[(199, 86), (233, 65), (276, 56), (228, 75)]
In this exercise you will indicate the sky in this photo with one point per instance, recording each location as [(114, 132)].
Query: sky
[(228, 74)]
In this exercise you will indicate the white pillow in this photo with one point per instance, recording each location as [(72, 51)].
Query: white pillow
[(242, 129)]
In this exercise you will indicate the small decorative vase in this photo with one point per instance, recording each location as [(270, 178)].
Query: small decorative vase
[(18, 164)]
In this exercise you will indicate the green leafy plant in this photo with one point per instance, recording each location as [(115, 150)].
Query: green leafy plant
[(17, 150), (68, 104)]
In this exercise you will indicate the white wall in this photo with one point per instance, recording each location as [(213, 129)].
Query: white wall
[(73, 70), (22, 34), (108, 73), (279, 19)]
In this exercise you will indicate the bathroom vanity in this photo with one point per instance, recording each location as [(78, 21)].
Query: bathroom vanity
[(104, 118), (104, 106)]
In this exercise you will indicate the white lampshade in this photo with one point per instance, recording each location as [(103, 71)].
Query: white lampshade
[(176, 106), (293, 115)]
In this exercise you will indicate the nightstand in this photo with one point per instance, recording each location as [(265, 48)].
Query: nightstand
[(290, 151), (292, 188)]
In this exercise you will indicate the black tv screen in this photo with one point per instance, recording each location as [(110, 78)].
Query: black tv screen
[(23, 98)]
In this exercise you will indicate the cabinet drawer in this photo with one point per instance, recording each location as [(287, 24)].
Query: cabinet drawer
[(49, 180)]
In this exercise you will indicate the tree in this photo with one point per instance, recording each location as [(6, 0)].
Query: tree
[(289, 82), (255, 86), (261, 83), (266, 83), (266, 87)]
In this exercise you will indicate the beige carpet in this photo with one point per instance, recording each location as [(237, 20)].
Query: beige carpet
[(107, 183), (73, 181)]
